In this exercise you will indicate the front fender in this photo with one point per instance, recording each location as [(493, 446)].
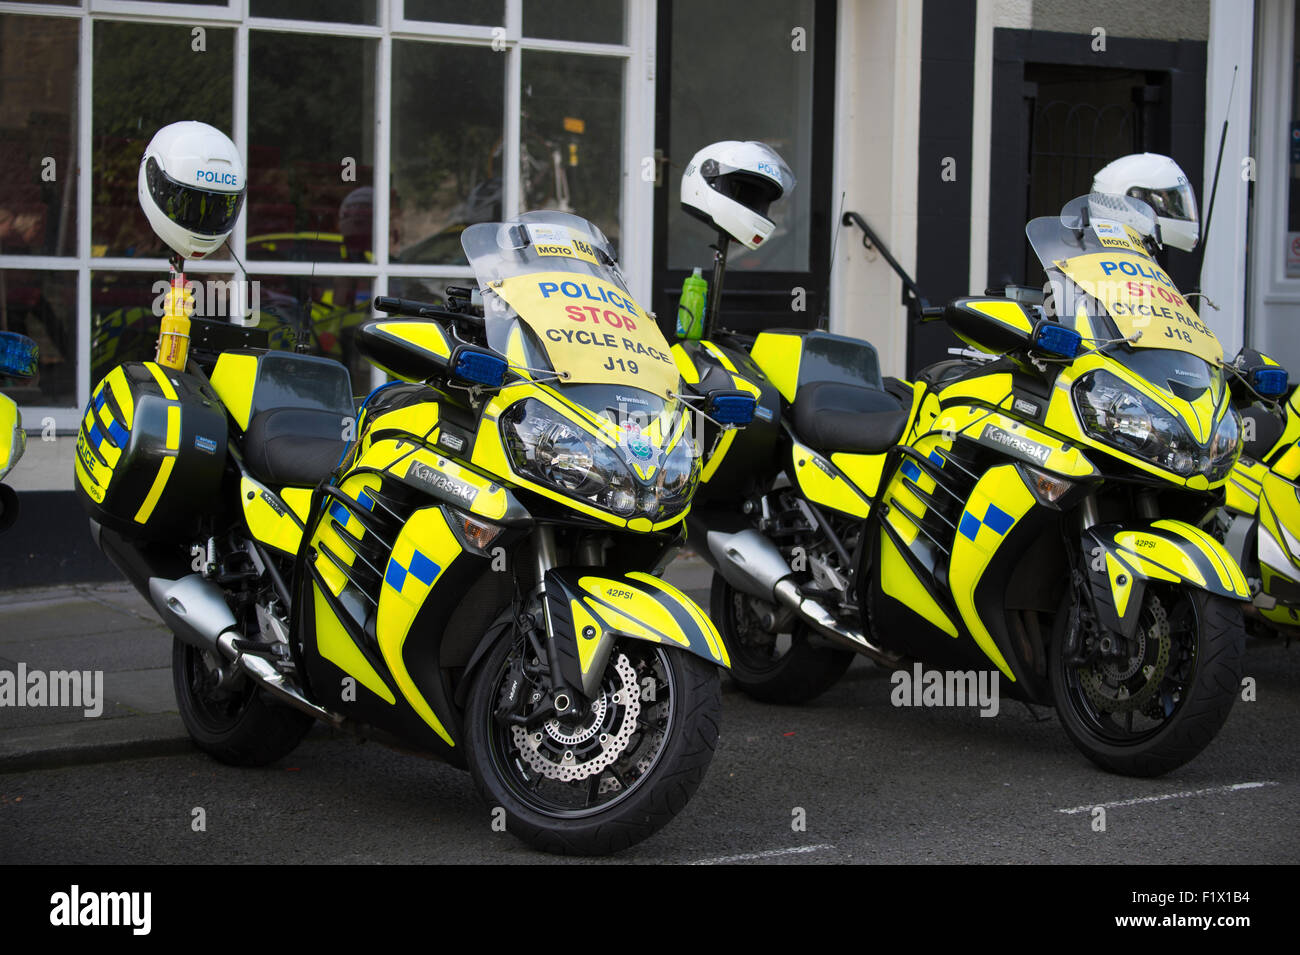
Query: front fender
[(1123, 559), (590, 612)]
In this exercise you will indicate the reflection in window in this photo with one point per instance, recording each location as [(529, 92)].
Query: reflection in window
[(716, 95), (446, 150), (38, 135), (572, 137), (586, 21), (311, 124), (473, 12), (43, 306), (323, 312), (328, 11), (132, 102)]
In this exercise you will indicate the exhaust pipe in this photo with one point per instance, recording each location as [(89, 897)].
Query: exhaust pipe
[(753, 565), (196, 611)]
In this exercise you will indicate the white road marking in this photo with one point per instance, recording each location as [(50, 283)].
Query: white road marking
[(1235, 787), (796, 850)]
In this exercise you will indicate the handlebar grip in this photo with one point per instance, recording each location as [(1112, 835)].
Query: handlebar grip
[(932, 314), (402, 306)]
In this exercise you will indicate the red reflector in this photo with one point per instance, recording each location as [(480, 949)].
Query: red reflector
[(198, 255), (758, 240)]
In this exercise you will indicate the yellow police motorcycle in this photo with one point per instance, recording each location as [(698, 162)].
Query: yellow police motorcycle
[(18, 359), (466, 566), (1260, 520), (1036, 515)]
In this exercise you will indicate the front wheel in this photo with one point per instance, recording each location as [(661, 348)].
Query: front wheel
[(1147, 705), (608, 778)]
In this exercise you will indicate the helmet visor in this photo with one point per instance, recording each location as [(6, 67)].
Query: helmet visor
[(200, 211), (1177, 202)]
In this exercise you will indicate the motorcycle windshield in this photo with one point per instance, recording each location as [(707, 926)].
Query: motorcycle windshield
[(1107, 287), (555, 302)]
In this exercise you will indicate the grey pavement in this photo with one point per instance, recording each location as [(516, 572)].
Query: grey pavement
[(111, 629)]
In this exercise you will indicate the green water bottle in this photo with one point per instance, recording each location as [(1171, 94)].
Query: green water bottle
[(690, 307)]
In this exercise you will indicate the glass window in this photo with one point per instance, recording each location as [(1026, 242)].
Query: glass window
[(1293, 186), (38, 135), (329, 11), (486, 13), (571, 136), (132, 101), (325, 312), (717, 95), (311, 122), (446, 150), (43, 306), (587, 21)]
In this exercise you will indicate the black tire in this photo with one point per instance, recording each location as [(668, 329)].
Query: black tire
[(236, 725), (1206, 645), (760, 666), (541, 816)]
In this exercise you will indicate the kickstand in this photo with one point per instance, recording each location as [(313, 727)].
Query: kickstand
[(1033, 713)]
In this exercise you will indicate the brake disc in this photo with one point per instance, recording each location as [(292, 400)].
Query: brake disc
[(581, 752), (1094, 680)]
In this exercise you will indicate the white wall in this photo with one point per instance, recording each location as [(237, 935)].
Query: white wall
[(877, 123)]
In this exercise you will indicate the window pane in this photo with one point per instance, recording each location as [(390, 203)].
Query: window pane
[(446, 150), (132, 101), (1293, 184), (485, 13), (328, 311), (330, 11), (38, 135), (311, 130), (716, 95), (572, 136), (43, 306), (589, 21)]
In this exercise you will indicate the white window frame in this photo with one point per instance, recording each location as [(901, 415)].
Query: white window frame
[(636, 197)]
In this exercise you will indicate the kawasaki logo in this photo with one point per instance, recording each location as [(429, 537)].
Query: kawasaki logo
[(1022, 447)]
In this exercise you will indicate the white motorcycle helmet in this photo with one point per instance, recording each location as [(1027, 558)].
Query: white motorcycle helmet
[(191, 187), (1160, 183), (730, 185)]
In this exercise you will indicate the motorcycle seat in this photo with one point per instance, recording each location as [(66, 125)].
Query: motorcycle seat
[(294, 446), (832, 416)]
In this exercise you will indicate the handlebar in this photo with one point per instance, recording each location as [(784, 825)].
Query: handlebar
[(403, 306)]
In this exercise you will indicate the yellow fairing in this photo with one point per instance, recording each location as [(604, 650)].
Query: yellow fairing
[(899, 582), (998, 501), (8, 426), (1279, 522), (822, 483), (336, 646), (1244, 486), (602, 610), (424, 549), (862, 469), (233, 380), (269, 517), (777, 355), (1288, 465)]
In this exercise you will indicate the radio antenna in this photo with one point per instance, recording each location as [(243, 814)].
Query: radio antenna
[(1214, 188), (824, 320)]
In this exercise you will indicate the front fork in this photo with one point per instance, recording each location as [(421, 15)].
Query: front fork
[(565, 701)]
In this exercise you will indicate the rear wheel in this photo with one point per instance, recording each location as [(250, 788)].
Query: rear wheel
[(778, 665), (225, 713), (609, 777), (1146, 705)]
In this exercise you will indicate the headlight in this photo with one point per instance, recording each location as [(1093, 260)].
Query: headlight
[(680, 471), (551, 450), (1113, 412), (1224, 445)]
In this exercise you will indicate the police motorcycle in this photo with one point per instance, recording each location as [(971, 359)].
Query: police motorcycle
[(18, 359), (467, 566), (1037, 515)]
